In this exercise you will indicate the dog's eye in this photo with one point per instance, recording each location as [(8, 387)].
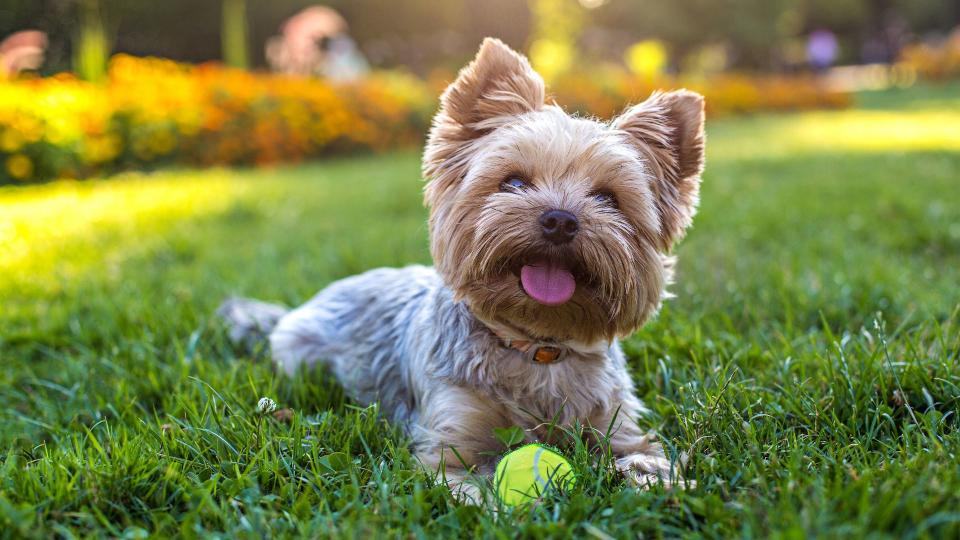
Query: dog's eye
[(513, 183), (605, 198)]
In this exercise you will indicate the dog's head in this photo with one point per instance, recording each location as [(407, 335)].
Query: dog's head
[(556, 225)]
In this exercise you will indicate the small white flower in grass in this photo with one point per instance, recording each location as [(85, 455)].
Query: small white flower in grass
[(266, 405)]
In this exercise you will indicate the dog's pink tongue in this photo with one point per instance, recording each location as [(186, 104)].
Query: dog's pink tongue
[(548, 284)]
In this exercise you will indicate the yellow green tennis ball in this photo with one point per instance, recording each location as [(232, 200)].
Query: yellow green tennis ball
[(529, 471)]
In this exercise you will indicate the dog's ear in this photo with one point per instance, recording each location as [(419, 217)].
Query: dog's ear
[(667, 129), (498, 85)]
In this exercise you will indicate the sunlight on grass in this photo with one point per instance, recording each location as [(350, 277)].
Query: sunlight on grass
[(847, 131), (59, 227)]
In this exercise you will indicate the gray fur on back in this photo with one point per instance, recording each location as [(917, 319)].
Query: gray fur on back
[(392, 335)]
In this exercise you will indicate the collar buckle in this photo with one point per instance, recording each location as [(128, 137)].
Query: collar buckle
[(545, 353)]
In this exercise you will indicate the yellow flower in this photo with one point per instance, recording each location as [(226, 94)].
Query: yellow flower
[(647, 58), (19, 166), (162, 142), (10, 141), (100, 149)]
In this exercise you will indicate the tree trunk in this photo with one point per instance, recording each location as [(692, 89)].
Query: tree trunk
[(234, 34), (91, 49)]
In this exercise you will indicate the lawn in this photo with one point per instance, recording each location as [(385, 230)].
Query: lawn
[(810, 364)]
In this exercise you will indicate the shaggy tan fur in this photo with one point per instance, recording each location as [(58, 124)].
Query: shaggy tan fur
[(493, 123)]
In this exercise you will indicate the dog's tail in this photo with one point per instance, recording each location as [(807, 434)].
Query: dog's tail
[(249, 322)]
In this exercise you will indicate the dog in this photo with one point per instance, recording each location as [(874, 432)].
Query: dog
[(551, 237)]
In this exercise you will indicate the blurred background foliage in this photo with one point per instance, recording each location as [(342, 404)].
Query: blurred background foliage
[(424, 34), (94, 86)]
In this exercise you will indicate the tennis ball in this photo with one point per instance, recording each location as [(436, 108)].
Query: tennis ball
[(529, 471)]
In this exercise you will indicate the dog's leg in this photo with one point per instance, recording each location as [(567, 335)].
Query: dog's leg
[(454, 434), (639, 455), (301, 337), (249, 322)]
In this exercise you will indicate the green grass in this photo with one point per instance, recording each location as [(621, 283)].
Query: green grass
[(809, 363)]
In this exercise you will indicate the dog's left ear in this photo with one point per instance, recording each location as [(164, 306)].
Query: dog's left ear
[(667, 129), (497, 86)]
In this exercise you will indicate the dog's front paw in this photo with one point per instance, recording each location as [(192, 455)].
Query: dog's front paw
[(467, 494), (649, 469)]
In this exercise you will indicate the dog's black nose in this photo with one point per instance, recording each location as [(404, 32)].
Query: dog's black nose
[(559, 226)]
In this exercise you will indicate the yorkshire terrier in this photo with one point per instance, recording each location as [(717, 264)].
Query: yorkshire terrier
[(551, 235)]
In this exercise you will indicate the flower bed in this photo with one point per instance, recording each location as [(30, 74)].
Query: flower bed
[(934, 61), (153, 112), (604, 93)]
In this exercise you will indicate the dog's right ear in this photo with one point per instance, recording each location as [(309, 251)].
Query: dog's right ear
[(498, 85)]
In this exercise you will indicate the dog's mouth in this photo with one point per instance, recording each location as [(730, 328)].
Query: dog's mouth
[(549, 281)]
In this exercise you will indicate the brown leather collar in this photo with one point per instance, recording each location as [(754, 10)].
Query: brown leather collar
[(537, 352)]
